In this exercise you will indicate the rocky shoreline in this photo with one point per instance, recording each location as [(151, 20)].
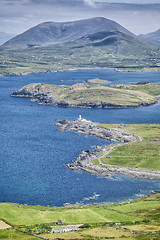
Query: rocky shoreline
[(84, 161), (79, 95), (74, 69)]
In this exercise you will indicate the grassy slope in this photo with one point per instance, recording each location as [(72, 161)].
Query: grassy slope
[(144, 154), (152, 89), (144, 211), (29, 216), (15, 235)]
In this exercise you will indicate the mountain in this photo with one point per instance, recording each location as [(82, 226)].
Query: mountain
[(114, 42), (5, 37), (50, 33), (152, 38)]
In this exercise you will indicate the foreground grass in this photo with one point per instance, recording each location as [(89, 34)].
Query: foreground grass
[(94, 233), (144, 154), (28, 215), (15, 235), (138, 219)]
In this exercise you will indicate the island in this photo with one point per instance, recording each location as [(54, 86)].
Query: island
[(92, 96), (99, 161), (96, 81)]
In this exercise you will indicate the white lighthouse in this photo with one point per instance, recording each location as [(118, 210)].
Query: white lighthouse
[(80, 118)]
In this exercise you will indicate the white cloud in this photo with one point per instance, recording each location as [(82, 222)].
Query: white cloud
[(90, 3)]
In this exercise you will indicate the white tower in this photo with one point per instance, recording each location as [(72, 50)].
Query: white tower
[(80, 117)]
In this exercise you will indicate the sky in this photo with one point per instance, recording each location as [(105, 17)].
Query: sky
[(129, 1), (16, 16)]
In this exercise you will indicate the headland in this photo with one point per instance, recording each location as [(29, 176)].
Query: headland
[(92, 161)]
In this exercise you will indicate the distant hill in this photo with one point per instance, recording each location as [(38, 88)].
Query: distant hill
[(5, 37), (50, 33), (114, 42), (152, 38)]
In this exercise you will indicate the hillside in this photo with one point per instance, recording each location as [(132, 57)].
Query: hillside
[(114, 42), (111, 49), (152, 38), (90, 43), (134, 220), (50, 33)]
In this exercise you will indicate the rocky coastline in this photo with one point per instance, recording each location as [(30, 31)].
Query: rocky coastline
[(84, 161), (62, 96), (75, 69)]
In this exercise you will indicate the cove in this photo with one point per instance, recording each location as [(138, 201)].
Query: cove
[(33, 152)]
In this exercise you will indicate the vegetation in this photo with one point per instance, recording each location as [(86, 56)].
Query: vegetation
[(97, 81), (149, 88), (142, 154), (138, 219), (77, 55), (30, 215), (85, 95), (15, 235)]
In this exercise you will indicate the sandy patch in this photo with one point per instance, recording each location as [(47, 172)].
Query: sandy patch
[(3, 225)]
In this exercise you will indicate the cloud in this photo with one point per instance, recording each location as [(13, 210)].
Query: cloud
[(17, 16), (62, 2), (89, 3)]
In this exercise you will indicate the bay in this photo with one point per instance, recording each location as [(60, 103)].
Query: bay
[(33, 152)]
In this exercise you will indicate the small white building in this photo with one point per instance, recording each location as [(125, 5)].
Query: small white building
[(67, 228)]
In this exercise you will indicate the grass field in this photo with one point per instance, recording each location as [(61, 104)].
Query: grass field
[(15, 235), (28, 216), (138, 219), (144, 154), (149, 88), (94, 233)]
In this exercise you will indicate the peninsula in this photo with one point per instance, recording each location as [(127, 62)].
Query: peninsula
[(91, 96), (99, 160)]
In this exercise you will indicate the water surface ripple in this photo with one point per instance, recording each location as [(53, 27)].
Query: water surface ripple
[(33, 153)]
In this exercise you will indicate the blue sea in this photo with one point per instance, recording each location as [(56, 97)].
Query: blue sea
[(33, 152)]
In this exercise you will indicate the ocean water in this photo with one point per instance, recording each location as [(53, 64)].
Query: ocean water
[(33, 152)]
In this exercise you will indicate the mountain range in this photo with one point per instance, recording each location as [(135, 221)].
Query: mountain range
[(95, 32), (152, 38), (51, 33)]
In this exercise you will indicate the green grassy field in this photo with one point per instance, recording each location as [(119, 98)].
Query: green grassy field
[(149, 88), (141, 154), (136, 219), (15, 235), (28, 215), (94, 233)]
